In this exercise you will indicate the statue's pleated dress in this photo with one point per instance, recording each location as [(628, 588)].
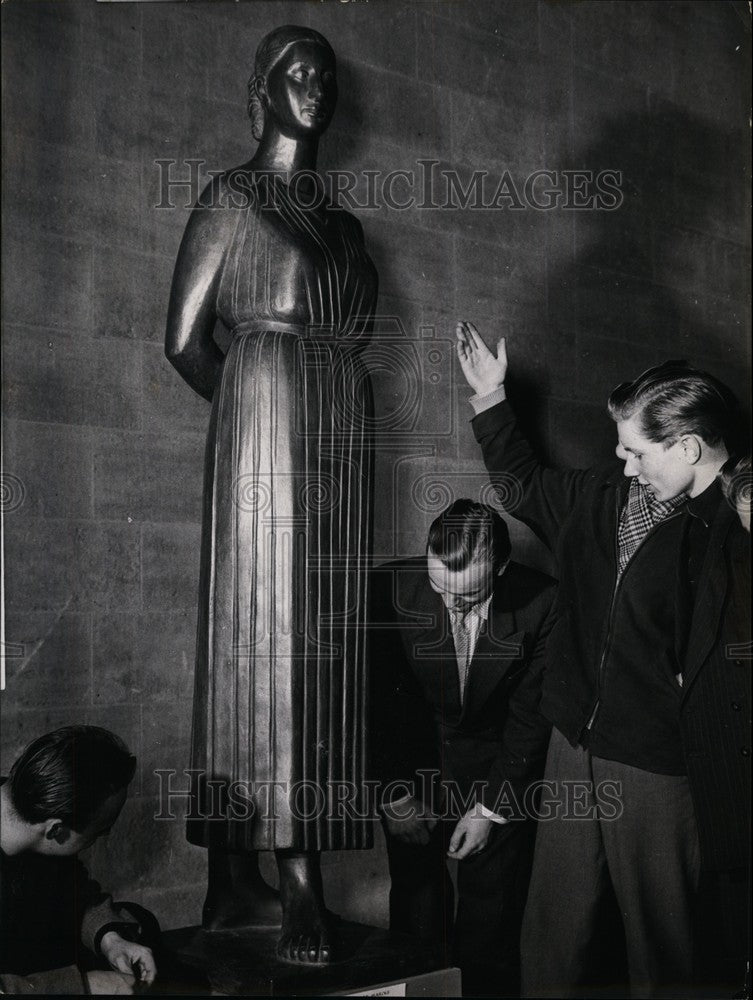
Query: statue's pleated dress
[(279, 698)]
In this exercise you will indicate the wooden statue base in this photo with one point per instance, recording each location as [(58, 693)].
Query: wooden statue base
[(193, 961)]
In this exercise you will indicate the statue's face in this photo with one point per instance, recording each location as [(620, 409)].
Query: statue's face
[(302, 90)]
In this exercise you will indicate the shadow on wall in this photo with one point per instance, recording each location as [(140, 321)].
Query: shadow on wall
[(590, 298), (663, 276)]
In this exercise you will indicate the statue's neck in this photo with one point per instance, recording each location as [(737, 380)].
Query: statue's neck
[(281, 153)]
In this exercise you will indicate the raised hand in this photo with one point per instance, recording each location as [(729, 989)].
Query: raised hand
[(484, 372)]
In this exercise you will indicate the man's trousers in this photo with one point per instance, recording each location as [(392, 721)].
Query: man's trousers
[(615, 832), (484, 938)]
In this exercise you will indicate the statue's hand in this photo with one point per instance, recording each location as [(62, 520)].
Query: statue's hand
[(409, 820), (483, 371)]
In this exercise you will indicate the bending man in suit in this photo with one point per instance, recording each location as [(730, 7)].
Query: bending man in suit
[(647, 683), (457, 646)]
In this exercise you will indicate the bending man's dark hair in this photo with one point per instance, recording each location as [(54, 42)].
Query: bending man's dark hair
[(68, 775), (466, 532), (674, 399)]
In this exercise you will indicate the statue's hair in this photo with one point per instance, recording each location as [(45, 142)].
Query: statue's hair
[(271, 49)]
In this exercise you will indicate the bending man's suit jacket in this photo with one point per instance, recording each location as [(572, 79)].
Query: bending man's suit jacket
[(496, 736)]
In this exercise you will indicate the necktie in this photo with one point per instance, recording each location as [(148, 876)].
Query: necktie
[(462, 636)]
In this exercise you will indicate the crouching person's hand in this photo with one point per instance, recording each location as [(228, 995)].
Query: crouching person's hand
[(135, 960)]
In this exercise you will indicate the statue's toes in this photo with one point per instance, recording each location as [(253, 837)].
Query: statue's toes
[(303, 949)]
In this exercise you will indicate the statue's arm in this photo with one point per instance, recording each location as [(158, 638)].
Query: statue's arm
[(191, 317)]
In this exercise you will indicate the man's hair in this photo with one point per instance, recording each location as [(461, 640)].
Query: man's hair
[(466, 532), (735, 478), (68, 775), (674, 399)]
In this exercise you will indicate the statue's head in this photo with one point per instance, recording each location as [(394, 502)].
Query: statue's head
[(294, 82)]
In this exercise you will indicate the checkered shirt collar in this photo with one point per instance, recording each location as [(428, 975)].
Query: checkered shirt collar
[(640, 513)]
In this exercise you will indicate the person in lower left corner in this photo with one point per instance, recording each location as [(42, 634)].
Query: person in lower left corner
[(56, 924)]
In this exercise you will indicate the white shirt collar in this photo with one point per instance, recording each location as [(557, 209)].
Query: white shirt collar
[(481, 610)]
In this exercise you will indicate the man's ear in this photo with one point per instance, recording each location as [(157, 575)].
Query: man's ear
[(692, 448), (55, 829)]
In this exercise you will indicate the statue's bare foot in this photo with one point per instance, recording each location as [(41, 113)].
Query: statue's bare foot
[(237, 895), (306, 937)]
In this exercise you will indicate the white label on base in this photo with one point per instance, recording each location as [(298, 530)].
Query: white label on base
[(396, 990)]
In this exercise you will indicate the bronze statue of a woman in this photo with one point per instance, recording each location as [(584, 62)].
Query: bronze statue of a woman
[(279, 700)]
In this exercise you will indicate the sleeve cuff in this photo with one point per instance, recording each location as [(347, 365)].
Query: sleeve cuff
[(128, 931), (391, 809), (494, 817), (398, 801), (489, 399)]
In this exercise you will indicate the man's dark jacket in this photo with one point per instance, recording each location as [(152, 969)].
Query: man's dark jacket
[(52, 919), (497, 736), (576, 514)]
